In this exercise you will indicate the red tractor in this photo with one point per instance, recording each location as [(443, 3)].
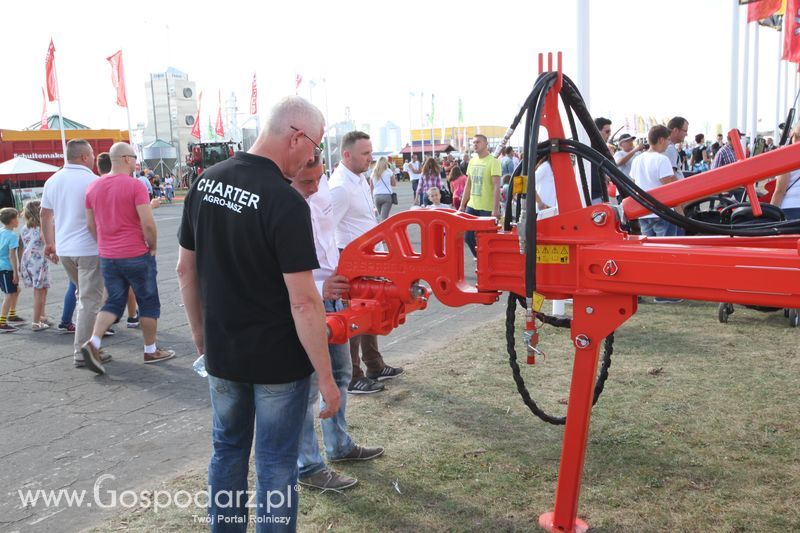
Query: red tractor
[(203, 155)]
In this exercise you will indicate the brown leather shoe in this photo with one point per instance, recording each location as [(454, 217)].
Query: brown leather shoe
[(159, 355), (92, 358)]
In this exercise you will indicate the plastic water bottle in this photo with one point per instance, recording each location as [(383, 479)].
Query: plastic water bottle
[(199, 366)]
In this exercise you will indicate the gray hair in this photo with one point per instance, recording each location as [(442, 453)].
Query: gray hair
[(293, 111)]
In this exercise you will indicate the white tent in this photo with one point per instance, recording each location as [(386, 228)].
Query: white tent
[(22, 165)]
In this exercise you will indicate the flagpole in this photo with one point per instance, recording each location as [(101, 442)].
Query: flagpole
[(745, 73), (778, 85), (433, 150), (754, 110), (328, 127), (734, 94), (583, 29), (60, 115), (421, 126)]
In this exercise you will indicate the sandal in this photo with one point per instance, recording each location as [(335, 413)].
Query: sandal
[(39, 326)]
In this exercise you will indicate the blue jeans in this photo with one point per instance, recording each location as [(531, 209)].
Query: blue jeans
[(656, 227), (792, 213), (276, 414), (334, 430), (70, 301), (137, 273), (469, 237)]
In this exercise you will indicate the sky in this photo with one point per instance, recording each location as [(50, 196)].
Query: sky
[(652, 58)]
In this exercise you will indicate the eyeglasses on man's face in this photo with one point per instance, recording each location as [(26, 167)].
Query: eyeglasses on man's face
[(318, 148), (133, 156)]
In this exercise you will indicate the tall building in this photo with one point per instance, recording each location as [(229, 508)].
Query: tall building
[(388, 138), (171, 106)]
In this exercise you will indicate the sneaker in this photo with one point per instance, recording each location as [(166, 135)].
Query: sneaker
[(360, 453), (327, 479), (8, 328), (15, 320), (104, 358), (109, 332), (387, 372), (133, 321), (66, 328), (92, 358), (39, 326), (667, 300), (365, 386), (159, 355)]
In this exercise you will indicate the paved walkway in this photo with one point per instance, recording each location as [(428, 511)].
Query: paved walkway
[(64, 428)]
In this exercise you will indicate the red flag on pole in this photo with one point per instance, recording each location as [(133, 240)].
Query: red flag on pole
[(219, 129), (50, 72), (196, 125), (254, 97), (298, 79), (118, 78), (791, 32), (761, 9), (45, 125)]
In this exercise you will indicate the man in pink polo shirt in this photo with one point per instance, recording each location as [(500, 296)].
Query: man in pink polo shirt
[(119, 216)]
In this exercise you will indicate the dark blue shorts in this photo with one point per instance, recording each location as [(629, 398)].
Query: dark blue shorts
[(137, 273), (6, 283)]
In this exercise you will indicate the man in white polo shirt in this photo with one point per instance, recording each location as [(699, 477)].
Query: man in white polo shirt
[(312, 184), (354, 215), (67, 238), (414, 171)]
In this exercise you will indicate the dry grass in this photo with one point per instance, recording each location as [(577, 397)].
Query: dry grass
[(697, 430)]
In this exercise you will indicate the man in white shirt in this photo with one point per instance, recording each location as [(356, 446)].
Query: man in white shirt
[(354, 215), (545, 187), (650, 170), (626, 153), (678, 129), (67, 238), (312, 184), (414, 171)]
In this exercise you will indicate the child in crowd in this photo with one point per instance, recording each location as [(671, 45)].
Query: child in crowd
[(9, 270), (34, 270), (435, 199)]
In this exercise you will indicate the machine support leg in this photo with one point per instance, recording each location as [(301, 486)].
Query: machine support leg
[(593, 321)]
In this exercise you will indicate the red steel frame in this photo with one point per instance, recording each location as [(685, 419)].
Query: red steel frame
[(604, 272)]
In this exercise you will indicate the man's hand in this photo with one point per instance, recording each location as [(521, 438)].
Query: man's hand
[(15, 277), (334, 287), (155, 203), (199, 342), (50, 253), (153, 252), (330, 393)]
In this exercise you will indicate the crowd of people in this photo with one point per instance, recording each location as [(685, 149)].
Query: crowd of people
[(102, 231), (266, 227)]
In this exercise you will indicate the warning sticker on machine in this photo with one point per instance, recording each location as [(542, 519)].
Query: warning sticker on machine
[(552, 254)]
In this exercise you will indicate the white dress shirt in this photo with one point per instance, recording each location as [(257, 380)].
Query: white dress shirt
[(324, 238), (353, 208)]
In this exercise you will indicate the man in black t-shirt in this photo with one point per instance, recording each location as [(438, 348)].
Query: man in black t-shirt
[(245, 267)]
